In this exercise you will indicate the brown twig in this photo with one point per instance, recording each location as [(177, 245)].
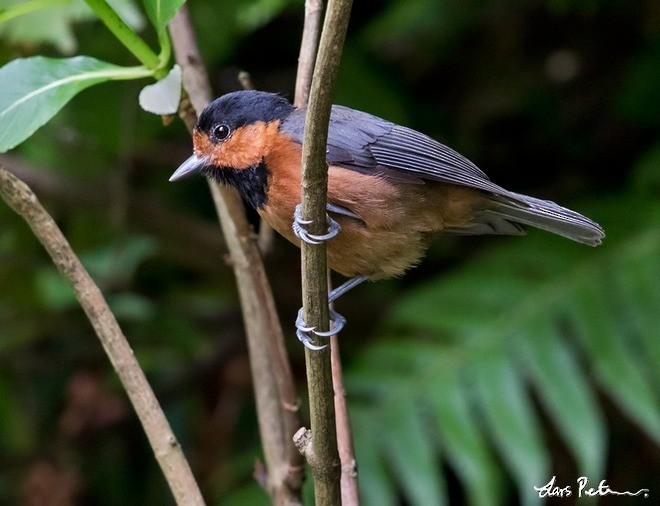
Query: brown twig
[(277, 403), (166, 448), (308, 49), (349, 484), (306, 61), (322, 453)]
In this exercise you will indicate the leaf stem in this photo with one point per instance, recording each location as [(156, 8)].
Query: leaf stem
[(128, 37)]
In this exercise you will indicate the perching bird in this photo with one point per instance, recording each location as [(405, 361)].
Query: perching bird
[(390, 189)]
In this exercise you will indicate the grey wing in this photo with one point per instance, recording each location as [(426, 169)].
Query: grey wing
[(406, 149), (349, 135), (369, 144)]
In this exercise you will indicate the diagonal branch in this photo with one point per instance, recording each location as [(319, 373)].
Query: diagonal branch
[(166, 448), (277, 402)]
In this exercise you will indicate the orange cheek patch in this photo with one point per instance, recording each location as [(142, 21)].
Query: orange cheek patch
[(247, 146), (202, 145)]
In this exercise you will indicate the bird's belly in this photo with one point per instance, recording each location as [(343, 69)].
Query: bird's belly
[(378, 254), (358, 249), (396, 221)]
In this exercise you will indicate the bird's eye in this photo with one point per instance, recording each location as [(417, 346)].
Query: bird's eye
[(221, 132)]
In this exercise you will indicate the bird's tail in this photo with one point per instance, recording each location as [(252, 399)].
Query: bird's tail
[(546, 215)]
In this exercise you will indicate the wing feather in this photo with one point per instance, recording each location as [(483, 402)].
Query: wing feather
[(369, 144)]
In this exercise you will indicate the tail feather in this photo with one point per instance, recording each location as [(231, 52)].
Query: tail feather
[(546, 215)]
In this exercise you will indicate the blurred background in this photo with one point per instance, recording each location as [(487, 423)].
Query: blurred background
[(494, 366)]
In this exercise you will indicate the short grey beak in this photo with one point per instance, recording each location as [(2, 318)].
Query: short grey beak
[(190, 166)]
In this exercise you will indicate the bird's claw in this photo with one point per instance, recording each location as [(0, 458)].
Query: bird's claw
[(301, 232), (304, 331)]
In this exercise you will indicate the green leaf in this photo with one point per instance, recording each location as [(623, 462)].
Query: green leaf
[(513, 424), (615, 361), (477, 341), (375, 484), (566, 394), (405, 443), (160, 12), (463, 439), (53, 21), (639, 291), (35, 89), (54, 292), (44, 23)]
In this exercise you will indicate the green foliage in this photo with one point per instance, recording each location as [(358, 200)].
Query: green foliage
[(468, 352), (35, 89), (161, 12)]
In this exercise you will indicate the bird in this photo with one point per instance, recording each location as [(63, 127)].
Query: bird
[(391, 189)]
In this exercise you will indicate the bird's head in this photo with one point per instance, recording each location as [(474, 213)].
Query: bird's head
[(235, 132)]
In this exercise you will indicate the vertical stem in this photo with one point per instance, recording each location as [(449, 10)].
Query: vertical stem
[(348, 481), (306, 61), (126, 35), (308, 49), (325, 459)]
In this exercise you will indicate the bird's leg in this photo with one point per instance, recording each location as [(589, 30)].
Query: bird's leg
[(337, 321), (345, 287)]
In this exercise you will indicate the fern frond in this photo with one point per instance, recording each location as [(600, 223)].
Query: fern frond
[(462, 354)]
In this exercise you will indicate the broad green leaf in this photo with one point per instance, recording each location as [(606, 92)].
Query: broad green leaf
[(515, 428), (405, 442), (566, 394), (35, 89), (462, 437), (160, 12)]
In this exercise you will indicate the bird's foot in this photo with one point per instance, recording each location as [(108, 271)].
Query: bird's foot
[(301, 232), (304, 332)]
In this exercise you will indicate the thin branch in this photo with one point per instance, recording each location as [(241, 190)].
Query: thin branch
[(166, 448), (306, 61), (348, 481), (277, 402), (308, 49), (325, 461)]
